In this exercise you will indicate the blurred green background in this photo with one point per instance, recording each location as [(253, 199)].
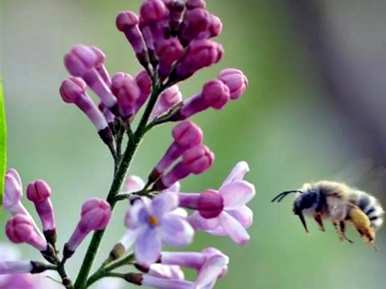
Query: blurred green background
[(314, 110)]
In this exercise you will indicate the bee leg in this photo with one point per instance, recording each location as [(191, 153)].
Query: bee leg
[(318, 219), (362, 224), (342, 229), (341, 238)]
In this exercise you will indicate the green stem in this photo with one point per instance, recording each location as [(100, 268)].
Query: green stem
[(81, 281), (102, 272)]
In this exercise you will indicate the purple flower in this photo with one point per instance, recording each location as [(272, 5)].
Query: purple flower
[(236, 81), (166, 101), (235, 217), (152, 223)]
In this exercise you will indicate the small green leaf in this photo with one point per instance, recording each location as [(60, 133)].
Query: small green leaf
[(3, 142)]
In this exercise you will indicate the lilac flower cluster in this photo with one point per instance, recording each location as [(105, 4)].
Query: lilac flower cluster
[(172, 40)]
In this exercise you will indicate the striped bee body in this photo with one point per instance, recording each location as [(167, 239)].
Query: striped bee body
[(340, 204)]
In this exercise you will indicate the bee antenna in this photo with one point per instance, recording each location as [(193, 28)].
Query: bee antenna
[(282, 195)]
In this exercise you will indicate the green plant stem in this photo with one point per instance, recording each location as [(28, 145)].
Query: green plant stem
[(124, 164), (102, 272)]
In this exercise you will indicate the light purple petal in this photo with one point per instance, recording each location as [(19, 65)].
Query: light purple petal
[(133, 184), (200, 223), (174, 188), (237, 194), (162, 283), (130, 237), (132, 215), (234, 229), (238, 173), (244, 215), (164, 203), (211, 270), (148, 246), (176, 231), (167, 271)]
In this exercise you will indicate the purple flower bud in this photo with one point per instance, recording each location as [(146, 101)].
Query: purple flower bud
[(144, 83), (39, 193), (186, 135), (95, 216), (214, 94), (166, 101), (196, 160), (209, 204), (236, 81), (109, 116), (20, 229), (192, 4), (15, 267), (73, 90), (200, 54), (168, 51), (176, 9), (196, 21), (20, 281), (82, 61), (127, 22), (127, 92), (153, 11), (100, 66), (214, 28)]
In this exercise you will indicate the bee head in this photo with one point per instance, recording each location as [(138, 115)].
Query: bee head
[(305, 201)]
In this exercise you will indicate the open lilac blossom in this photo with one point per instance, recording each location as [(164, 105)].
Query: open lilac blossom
[(13, 193), (39, 192), (234, 218), (152, 224)]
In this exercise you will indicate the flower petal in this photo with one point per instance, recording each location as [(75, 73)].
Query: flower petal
[(234, 229), (148, 246), (133, 184), (176, 231), (164, 203), (237, 194), (238, 173), (210, 272), (167, 271), (163, 283), (130, 237), (200, 223), (244, 215)]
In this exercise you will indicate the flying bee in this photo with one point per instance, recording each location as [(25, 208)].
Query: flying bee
[(340, 204)]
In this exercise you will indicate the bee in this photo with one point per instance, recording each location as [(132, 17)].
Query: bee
[(340, 204)]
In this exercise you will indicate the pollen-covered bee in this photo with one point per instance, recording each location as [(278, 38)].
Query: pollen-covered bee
[(340, 204)]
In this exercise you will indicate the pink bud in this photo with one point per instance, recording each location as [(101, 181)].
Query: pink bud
[(72, 90), (187, 134), (20, 229), (83, 61), (236, 81), (127, 22), (166, 101), (168, 51), (176, 9), (198, 159), (144, 83), (100, 66), (153, 10), (215, 94), (192, 4), (39, 193), (95, 216), (200, 54), (127, 92), (196, 21)]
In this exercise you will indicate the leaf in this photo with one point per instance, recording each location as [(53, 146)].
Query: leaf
[(3, 142)]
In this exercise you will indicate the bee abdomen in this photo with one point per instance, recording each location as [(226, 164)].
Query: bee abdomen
[(371, 207)]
